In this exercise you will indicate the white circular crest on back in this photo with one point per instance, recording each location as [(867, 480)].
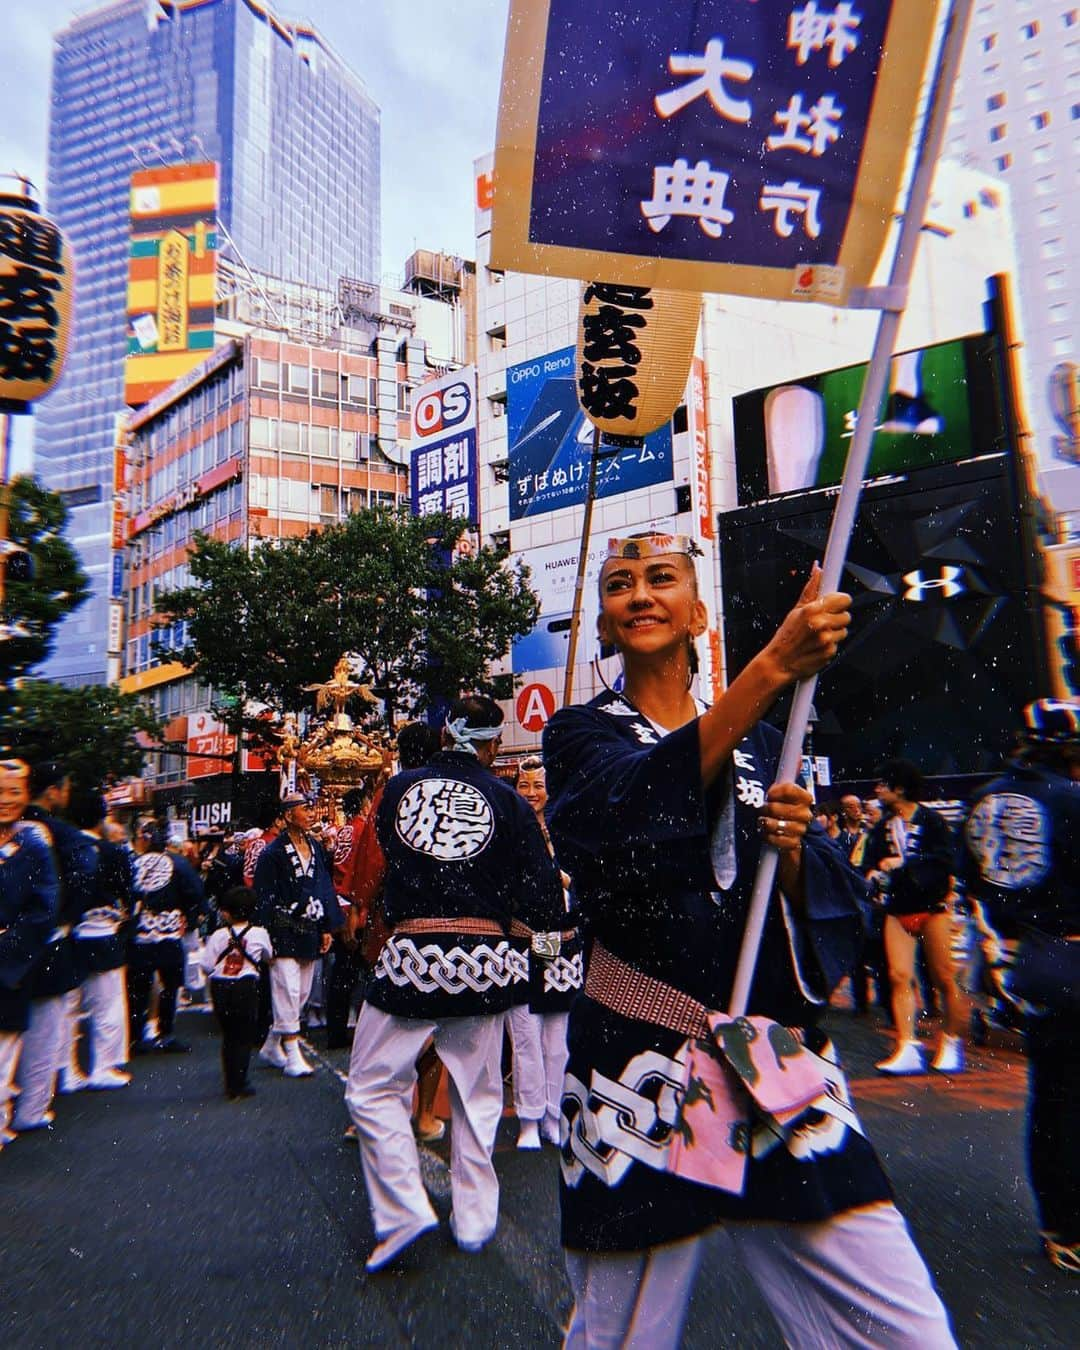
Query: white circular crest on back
[(444, 818), (153, 872), (1009, 836)]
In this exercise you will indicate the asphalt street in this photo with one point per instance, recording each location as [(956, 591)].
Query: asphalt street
[(165, 1215)]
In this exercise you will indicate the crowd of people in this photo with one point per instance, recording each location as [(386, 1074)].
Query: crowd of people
[(589, 913)]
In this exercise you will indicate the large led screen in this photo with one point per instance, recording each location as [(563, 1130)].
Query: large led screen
[(942, 406), (941, 655)]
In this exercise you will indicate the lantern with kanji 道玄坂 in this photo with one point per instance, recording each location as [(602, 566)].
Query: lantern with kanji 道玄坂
[(634, 349), (35, 299)]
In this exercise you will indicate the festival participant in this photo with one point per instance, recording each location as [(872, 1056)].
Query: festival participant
[(464, 857), (169, 896), (101, 954), (657, 806), (233, 960), (29, 900), (55, 973), (553, 981), (1022, 866), (910, 856), (298, 908)]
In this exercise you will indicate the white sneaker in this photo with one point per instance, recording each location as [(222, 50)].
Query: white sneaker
[(950, 1055), (72, 1080), (108, 1078), (296, 1066), (272, 1053), (906, 1061), (529, 1135)]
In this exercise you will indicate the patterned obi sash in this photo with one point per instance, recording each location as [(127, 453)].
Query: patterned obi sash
[(740, 1073)]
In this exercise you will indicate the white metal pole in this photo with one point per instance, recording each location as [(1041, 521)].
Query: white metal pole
[(847, 505)]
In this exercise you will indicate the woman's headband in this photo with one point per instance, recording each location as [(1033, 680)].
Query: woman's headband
[(643, 546)]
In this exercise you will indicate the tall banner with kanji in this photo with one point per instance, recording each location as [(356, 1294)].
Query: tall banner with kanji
[(443, 468), (752, 147)]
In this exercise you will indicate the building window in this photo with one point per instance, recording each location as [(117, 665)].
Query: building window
[(1040, 121), (1042, 154), (1044, 186), (404, 400), (989, 42), (358, 389), (1055, 281), (997, 133), (299, 379), (1062, 346), (1075, 112), (1050, 248), (1068, 19), (1033, 92), (268, 373), (994, 102), (1059, 313), (1029, 31), (1002, 163), (1048, 215)]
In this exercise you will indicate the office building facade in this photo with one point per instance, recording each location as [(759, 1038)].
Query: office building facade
[(296, 138)]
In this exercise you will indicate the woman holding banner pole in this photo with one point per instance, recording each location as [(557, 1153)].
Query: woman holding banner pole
[(675, 1117)]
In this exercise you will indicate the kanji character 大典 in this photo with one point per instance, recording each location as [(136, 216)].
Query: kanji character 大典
[(25, 295), (711, 70), (820, 125), (792, 199), (698, 192), (809, 31), (25, 356)]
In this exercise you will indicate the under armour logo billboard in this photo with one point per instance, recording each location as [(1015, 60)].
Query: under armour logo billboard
[(949, 583)]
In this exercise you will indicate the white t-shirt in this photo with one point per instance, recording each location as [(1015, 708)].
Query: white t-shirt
[(224, 963)]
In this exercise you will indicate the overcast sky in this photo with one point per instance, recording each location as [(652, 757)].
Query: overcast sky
[(432, 66)]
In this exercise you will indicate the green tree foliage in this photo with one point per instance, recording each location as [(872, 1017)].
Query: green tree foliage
[(93, 730), (383, 584), (55, 585)]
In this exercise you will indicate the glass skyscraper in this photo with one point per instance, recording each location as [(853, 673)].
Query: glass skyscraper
[(143, 82)]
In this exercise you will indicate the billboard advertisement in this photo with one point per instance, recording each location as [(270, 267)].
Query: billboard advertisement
[(172, 276), (752, 149), (942, 652), (550, 442), (443, 467), (943, 405)]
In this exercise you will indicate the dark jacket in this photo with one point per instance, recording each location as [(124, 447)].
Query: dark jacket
[(29, 901), (295, 908)]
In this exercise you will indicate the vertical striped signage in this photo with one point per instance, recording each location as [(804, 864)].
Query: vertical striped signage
[(172, 276)]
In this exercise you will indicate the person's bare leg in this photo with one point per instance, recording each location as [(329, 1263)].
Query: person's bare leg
[(937, 944), (900, 949)]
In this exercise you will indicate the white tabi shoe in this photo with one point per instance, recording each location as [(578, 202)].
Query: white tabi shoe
[(394, 1246), (549, 1131), (296, 1066), (950, 1055), (906, 1061), (529, 1135), (72, 1080), (104, 1079), (272, 1054)]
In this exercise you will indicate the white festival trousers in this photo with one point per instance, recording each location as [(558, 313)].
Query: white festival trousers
[(379, 1096), (36, 1074), (553, 1043), (103, 997), (10, 1042), (530, 1087), (856, 1280), (290, 989)]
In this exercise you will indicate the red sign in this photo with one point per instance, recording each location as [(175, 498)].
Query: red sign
[(1074, 571), (535, 705), (209, 747), (702, 463)]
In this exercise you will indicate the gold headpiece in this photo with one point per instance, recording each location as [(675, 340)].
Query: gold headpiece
[(641, 546)]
